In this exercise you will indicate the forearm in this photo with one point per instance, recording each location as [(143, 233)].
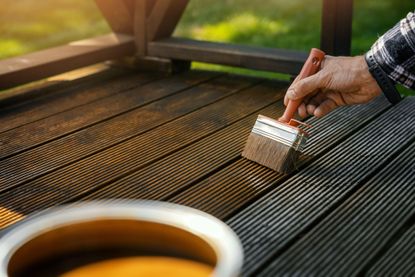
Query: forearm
[(394, 52)]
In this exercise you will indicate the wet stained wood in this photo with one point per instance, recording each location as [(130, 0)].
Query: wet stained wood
[(293, 207), (182, 169), (96, 170), (70, 96), (60, 124), (14, 97), (238, 181), (17, 169), (178, 138)]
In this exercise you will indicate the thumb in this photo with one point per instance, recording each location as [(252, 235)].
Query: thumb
[(304, 87)]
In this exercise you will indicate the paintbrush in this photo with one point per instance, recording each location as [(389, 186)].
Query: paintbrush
[(277, 144)]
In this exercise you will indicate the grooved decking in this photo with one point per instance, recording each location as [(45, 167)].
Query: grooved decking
[(348, 209)]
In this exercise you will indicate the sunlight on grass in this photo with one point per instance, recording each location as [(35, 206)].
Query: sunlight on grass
[(240, 28), (245, 28), (11, 47), (33, 30), (29, 25)]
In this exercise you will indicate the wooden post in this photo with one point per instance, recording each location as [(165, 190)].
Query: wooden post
[(164, 17), (139, 9), (117, 15), (336, 27), (147, 20)]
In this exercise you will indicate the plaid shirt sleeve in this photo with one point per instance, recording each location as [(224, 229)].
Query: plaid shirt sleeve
[(394, 52)]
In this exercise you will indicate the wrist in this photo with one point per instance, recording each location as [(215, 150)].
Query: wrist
[(364, 73), (386, 85)]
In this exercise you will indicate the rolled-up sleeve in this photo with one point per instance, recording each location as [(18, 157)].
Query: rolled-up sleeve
[(394, 52)]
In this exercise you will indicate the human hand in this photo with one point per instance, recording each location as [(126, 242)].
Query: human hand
[(340, 81)]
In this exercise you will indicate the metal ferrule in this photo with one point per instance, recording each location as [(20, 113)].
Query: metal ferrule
[(281, 132)]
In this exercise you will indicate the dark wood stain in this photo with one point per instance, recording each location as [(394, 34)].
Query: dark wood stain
[(179, 138)]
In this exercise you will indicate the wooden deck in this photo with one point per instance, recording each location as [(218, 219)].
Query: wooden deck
[(348, 210)]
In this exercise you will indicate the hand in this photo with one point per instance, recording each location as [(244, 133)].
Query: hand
[(340, 81)]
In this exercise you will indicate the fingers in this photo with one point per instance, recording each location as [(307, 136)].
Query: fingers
[(285, 97), (311, 108), (325, 107), (302, 111), (304, 87), (315, 101)]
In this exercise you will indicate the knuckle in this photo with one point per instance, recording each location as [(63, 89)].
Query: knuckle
[(292, 92)]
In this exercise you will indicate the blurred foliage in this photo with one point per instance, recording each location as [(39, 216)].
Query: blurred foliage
[(271, 23), (30, 25), (293, 24)]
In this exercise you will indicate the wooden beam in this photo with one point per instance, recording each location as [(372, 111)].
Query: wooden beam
[(45, 63), (141, 10), (140, 26), (260, 58), (117, 14), (130, 5), (336, 27), (164, 17)]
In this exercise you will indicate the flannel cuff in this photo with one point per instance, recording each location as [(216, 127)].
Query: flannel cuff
[(394, 52)]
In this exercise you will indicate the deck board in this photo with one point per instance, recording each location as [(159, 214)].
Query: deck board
[(399, 260), (179, 170), (21, 168), (339, 245), (69, 97), (178, 138), (292, 208), (113, 162), (27, 136), (238, 184)]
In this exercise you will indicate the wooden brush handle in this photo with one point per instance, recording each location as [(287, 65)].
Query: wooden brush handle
[(310, 67)]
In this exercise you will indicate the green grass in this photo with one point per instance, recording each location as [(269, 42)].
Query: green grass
[(30, 25)]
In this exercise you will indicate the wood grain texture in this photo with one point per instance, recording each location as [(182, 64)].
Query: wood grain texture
[(348, 209), (28, 136), (19, 169), (237, 183), (138, 150), (399, 259), (52, 61), (46, 102), (260, 58), (15, 96), (385, 204), (292, 208), (176, 172)]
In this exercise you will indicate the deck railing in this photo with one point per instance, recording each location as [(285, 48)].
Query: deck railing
[(143, 29)]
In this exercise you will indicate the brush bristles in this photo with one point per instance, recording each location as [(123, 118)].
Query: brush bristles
[(270, 153)]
